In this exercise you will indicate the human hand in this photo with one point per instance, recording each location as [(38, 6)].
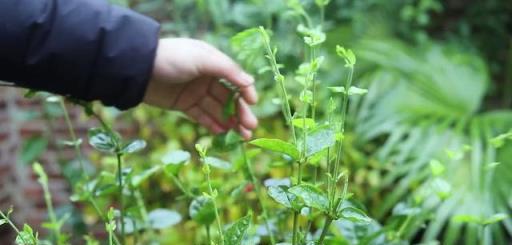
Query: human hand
[(186, 77)]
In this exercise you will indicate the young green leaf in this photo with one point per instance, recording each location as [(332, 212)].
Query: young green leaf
[(174, 160), (312, 196), (441, 187), (280, 195), (227, 141), (133, 146), (347, 55), (141, 177), (318, 140), (467, 218), (177, 157), (236, 232), (351, 91), (163, 218), (277, 145), (495, 218), (437, 168), (102, 140), (202, 210), (354, 215), (300, 123), (217, 163), (499, 140)]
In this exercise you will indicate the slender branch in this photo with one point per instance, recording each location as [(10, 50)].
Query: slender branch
[(257, 188), (120, 185)]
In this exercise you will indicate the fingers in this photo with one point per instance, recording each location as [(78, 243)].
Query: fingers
[(221, 66), (215, 109), (245, 133), (201, 117), (245, 115), (209, 113)]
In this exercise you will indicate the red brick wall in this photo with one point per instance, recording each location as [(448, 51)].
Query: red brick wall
[(18, 185)]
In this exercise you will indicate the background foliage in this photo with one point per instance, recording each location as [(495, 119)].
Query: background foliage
[(421, 147)]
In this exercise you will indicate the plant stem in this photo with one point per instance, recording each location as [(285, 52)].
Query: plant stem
[(120, 185), (4, 216), (208, 237), (344, 106), (327, 224), (180, 186), (295, 227), (280, 80), (217, 217), (80, 157), (402, 228), (257, 188), (51, 211), (73, 138)]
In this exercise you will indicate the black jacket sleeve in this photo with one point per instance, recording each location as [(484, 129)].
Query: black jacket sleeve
[(86, 49)]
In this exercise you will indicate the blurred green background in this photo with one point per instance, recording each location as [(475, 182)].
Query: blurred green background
[(439, 75)]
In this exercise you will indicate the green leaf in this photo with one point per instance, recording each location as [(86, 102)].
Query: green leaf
[(499, 140), (300, 122), (227, 141), (404, 209), (32, 149), (280, 195), (133, 146), (174, 160), (491, 165), (277, 145), (163, 218), (466, 218), (177, 157), (42, 177), (3, 221), (102, 140), (437, 168), (312, 196), (318, 140), (70, 142), (347, 55), (236, 232), (247, 44), (217, 163), (354, 215), (229, 109), (441, 187), (495, 218), (351, 91), (202, 210), (141, 177), (306, 96)]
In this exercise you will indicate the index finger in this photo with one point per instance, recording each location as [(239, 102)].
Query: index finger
[(220, 65)]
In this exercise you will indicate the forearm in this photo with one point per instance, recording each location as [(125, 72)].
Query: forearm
[(83, 48)]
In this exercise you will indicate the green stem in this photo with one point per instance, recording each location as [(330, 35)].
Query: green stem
[(400, 231), (217, 217), (180, 186), (280, 81), (51, 212), (80, 157), (120, 186), (295, 227), (257, 188), (327, 224), (4, 216), (71, 130), (344, 106), (208, 236)]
